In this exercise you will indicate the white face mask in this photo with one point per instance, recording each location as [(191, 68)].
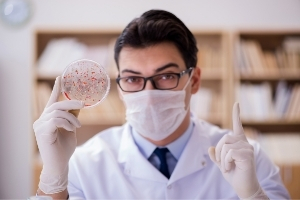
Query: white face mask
[(156, 114)]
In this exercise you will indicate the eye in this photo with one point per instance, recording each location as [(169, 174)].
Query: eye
[(133, 79), (167, 76)]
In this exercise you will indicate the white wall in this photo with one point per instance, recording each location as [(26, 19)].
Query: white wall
[(16, 44)]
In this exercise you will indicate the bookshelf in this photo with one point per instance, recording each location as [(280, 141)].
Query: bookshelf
[(211, 102), (221, 82), (266, 78), (93, 44), (256, 78)]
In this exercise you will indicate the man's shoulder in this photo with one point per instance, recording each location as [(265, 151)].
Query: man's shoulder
[(213, 132), (108, 139)]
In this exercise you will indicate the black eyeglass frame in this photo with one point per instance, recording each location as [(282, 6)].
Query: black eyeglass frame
[(152, 81)]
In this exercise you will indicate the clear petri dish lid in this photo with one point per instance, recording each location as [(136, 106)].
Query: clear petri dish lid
[(85, 80)]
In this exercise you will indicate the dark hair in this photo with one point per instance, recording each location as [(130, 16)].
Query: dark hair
[(156, 26)]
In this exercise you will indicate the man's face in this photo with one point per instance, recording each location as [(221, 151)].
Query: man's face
[(158, 59)]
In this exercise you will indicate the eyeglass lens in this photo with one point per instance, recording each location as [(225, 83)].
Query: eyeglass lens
[(161, 81)]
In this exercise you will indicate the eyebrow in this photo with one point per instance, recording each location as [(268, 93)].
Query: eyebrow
[(156, 71)]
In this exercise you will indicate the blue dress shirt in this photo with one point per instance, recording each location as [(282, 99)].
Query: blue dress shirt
[(175, 148)]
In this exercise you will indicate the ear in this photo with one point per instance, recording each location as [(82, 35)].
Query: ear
[(196, 80)]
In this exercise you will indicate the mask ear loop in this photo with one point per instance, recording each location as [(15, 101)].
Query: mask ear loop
[(189, 80), (187, 83)]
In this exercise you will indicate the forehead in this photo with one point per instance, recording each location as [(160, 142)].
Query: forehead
[(146, 60)]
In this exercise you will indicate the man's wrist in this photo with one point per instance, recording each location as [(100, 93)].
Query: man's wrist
[(258, 195), (51, 184), (62, 195)]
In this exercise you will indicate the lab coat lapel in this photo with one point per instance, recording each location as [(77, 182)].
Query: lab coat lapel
[(193, 157), (135, 164)]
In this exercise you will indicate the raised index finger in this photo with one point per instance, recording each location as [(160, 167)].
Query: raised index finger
[(55, 92), (236, 121)]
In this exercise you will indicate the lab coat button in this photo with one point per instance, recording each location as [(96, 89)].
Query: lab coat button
[(169, 187), (203, 163)]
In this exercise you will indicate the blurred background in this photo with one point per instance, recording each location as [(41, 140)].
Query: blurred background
[(249, 51)]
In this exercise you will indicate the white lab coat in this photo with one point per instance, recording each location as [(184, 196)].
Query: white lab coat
[(110, 166)]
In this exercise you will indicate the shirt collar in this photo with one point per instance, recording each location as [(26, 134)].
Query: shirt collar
[(176, 147)]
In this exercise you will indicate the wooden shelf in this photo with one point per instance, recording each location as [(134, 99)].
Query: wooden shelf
[(43, 75), (272, 122), (47, 75), (288, 75), (274, 126)]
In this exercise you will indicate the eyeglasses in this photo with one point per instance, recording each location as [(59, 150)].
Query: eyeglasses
[(165, 81)]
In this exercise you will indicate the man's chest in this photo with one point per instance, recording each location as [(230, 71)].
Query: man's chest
[(120, 181)]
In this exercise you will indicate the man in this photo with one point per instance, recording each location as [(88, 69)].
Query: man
[(163, 151)]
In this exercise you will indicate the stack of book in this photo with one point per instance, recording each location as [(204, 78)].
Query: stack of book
[(59, 53), (280, 147), (257, 102), (252, 59), (209, 58), (206, 104)]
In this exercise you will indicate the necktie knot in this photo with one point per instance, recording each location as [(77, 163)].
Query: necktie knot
[(161, 154), (161, 151)]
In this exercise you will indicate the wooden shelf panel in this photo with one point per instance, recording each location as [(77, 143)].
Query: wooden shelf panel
[(272, 122), (47, 75), (293, 75), (43, 75), (278, 126)]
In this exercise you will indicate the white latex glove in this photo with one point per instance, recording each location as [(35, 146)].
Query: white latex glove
[(235, 158), (55, 133)]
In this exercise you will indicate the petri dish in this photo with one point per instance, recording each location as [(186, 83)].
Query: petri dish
[(85, 80)]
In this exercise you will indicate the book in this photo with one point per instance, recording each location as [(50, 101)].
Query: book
[(59, 53), (252, 59), (294, 102), (201, 103), (209, 58), (256, 101), (256, 57), (271, 62), (245, 60), (281, 147), (282, 98)]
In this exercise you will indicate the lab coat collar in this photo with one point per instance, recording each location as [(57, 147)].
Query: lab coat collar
[(135, 164), (192, 159)]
